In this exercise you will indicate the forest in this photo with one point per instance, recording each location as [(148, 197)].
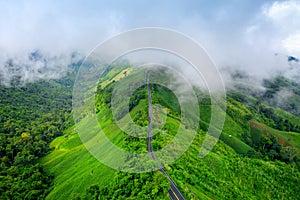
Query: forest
[(31, 117)]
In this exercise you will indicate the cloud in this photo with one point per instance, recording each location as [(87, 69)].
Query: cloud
[(54, 26), (283, 14), (56, 29), (274, 28), (292, 43), (285, 17), (35, 66), (235, 34)]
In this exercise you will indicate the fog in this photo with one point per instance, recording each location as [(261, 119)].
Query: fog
[(242, 36)]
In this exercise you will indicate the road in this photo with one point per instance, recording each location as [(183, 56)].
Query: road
[(174, 192), (150, 121)]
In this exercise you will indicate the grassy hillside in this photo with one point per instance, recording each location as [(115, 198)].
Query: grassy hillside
[(272, 143), (259, 130), (74, 167)]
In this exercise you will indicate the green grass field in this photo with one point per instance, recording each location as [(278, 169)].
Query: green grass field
[(74, 168)]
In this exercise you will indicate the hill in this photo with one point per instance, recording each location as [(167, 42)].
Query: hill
[(236, 167), (31, 117)]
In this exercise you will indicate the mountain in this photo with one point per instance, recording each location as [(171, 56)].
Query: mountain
[(257, 156), (31, 117)]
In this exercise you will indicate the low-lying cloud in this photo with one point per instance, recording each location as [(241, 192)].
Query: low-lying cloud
[(35, 66), (243, 36)]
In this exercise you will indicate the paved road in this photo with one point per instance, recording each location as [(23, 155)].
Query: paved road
[(150, 120), (174, 192)]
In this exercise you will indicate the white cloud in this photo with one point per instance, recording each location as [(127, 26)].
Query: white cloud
[(244, 34), (292, 44), (54, 27), (274, 29), (284, 14), (285, 17)]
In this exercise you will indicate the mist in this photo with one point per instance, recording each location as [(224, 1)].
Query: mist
[(35, 66), (238, 36)]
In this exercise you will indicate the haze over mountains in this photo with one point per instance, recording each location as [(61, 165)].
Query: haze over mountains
[(35, 66), (242, 35), (256, 48)]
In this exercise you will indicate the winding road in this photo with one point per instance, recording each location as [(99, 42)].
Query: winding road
[(173, 192)]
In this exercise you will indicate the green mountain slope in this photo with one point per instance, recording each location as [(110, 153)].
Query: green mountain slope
[(235, 169), (31, 117)]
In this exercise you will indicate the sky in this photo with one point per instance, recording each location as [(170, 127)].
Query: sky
[(245, 34)]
